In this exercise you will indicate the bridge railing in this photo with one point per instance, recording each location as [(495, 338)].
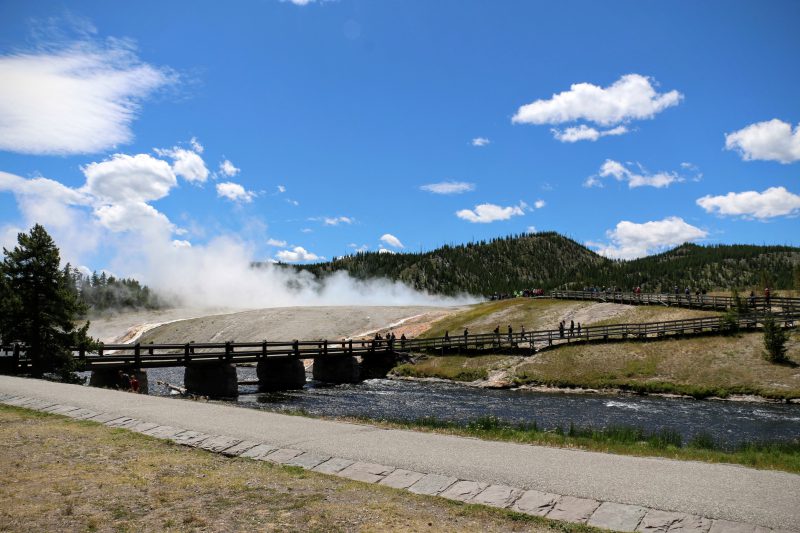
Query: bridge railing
[(680, 299), (163, 355)]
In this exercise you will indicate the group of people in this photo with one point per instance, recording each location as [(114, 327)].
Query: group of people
[(128, 382), (562, 328)]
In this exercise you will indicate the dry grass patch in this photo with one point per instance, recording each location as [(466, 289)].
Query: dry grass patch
[(701, 366), (484, 317), (455, 367), (652, 313), (64, 475)]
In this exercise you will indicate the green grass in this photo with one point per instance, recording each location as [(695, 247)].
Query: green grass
[(625, 440), (453, 367)]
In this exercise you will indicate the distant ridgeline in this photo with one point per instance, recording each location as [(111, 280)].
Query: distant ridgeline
[(103, 292), (549, 260)]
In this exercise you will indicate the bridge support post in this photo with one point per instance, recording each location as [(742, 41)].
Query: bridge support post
[(280, 373), (109, 378), (377, 365), (337, 368), (217, 380)]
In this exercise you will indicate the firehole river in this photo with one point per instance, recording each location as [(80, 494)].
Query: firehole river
[(729, 423)]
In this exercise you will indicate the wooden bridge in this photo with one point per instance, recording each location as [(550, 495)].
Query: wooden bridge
[(692, 301), (279, 364)]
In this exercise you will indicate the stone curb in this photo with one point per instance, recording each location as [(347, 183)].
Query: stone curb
[(607, 515)]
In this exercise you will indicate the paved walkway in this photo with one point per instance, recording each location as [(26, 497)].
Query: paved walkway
[(613, 491)]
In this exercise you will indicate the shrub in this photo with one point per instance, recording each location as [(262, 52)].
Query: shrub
[(774, 340)]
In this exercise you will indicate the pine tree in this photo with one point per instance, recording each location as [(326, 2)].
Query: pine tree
[(38, 307)]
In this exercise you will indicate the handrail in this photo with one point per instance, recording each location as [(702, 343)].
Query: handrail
[(154, 355)]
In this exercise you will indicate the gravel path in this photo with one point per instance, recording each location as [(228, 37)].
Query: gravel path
[(718, 491)]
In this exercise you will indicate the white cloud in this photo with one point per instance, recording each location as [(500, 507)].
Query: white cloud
[(639, 178), (196, 146), (480, 141), (228, 169), (186, 163), (362, 248), (129, 178), (485, 213), (335, 221), (281, 189), (276, 242), (132, 216), (530, 229), (630, 240), (383, 250), (773, 202), (632, 97), (296, 254), (772, 140), (448, 187), (292, 202), (79, 100), (234, 192), (177, 243), (538, 204), (585, 133), (391, 240)]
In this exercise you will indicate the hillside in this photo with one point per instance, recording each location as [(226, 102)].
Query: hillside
[(549, 260)]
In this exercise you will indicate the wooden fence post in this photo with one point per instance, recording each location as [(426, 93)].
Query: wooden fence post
[(137, 355), (296, 349)]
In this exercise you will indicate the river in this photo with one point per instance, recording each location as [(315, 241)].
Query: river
[(729, 423)]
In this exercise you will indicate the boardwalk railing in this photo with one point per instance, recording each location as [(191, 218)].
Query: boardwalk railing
[(168, 355), (695, 301)]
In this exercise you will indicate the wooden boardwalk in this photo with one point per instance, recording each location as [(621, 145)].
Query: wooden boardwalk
[(786, 311)]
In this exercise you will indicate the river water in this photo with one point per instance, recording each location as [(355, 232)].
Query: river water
[(729, 423)]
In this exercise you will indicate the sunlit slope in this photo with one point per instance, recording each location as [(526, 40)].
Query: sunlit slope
[(537, 314)]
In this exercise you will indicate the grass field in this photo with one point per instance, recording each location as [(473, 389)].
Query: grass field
[(698, 366), (65, 475)]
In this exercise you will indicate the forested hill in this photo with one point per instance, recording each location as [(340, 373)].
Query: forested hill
[(550, 260)]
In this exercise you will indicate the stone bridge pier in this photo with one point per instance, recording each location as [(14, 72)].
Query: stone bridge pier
[(280, 373), (337, 369), (377, 365), (217, 380)]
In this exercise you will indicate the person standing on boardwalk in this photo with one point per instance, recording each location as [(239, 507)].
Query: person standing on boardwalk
[(766, 296), (571, 328), (510, 336), (497, 335), (561, 329), (579, 329)]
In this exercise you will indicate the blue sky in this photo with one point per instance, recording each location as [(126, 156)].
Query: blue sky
[(647, 124)]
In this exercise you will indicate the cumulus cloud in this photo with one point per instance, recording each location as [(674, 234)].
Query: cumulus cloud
[(630, 240), (391, 240), (530, 229), (125, 178), (772, 140), (448, 187), (585, 133), (538, 204), (234, 192), (276, 242), (281, 189), (228, 169), (186, 163), (81, 99), (632, 97), (771, 203), (485, 213), (634, 178), (480, 141), (297, 254), (177, 243), (335, 221)]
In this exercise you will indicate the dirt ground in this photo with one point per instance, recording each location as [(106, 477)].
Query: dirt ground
[(65, 475)]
